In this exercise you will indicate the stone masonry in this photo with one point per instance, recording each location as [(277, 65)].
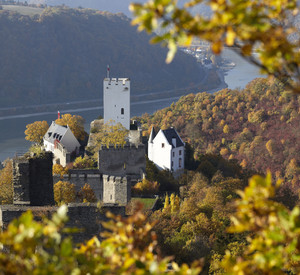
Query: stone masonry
[(33, 190), (32, 180), (116, 189), (123, 161), (82, 176)]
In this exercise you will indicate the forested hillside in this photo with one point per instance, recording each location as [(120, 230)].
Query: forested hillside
[(259, 126), (111, 5), (62, 54)]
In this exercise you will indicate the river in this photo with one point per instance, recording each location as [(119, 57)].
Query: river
[(12, 138)]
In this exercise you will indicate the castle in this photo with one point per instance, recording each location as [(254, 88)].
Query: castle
[(119, 167), (33, 190), (116, 101)]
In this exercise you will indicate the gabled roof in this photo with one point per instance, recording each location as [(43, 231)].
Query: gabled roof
[(152, 135), (55, 132), (170, 134)]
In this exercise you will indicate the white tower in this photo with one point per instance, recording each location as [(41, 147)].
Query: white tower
[(116, 98)]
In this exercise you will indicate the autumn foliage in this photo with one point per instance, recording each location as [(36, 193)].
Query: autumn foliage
[(146, 188), (127, 247), (6, 188), (258, 126), (58, 169), (76, 124), (64, 192), (86, 194), (35, 131)]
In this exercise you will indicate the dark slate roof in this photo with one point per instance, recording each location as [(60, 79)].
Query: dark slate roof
[(152, 135), (170, 134)]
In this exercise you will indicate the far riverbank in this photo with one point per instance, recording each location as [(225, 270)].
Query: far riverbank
[(12, 138)]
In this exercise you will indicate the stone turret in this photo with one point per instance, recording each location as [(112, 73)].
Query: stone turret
[(116, 189), (32, 180)]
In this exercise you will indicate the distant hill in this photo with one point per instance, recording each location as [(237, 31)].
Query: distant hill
[(61, 55), (114, 6)]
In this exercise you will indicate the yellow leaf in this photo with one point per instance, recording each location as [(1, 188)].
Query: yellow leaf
[(217, 47), (230, 36)]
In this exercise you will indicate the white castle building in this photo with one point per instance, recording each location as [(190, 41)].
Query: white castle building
[(166, 150), (116, 100)]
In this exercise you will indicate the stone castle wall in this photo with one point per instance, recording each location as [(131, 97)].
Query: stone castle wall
[(123, 161), (32, 180), (33, 190), (21, 181), (41, 182), (80, 177), (88, 218)]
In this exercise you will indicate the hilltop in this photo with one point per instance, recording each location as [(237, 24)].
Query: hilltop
[(258, 126), (61, 54)]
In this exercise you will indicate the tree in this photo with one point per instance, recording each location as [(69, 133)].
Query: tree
[(58, 169), (83, 163), (64, 192), (273, 247), (35, 131), (226, 129), (75, 123), (43, 247), (6, 188), (262, 32), (146, 187), (87, 194), (111, 134)]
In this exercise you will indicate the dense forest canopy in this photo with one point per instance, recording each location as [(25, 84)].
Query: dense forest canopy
[(62, 54), (258, 126)]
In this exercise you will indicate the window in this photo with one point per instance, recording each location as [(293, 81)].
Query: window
[(110, 197), (179, 152), (180, 163), (162, 145), (173, 154), (122, 111), (172, 164)]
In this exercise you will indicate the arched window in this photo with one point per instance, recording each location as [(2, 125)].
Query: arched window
[(122, 111)]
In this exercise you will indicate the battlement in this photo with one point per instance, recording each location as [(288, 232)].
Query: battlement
[(116, 81), (115, 179), (121, 161), (126, 147)]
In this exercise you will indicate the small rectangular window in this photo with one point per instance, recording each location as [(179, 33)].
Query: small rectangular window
[(162, 145), (179, 152), (172, 163), (122, 111), (173, 154), (180, 163)]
